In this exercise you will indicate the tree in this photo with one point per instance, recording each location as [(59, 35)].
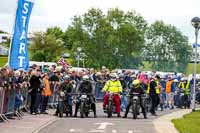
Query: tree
[(114, 39), (45, 47), (166, 47)]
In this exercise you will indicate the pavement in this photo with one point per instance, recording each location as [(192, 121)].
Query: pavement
[(102, 124), (28, 123), (163, 124)]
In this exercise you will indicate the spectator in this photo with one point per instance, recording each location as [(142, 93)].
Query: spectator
[(35, 91), (46, 93)]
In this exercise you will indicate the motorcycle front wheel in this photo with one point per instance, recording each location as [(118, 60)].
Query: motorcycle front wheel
[(82, 109), (134, 110), (109, 110)]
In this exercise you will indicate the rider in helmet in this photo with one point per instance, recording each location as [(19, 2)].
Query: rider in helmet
[(137, 89), (67, 87), (86, 87), (113, 85)]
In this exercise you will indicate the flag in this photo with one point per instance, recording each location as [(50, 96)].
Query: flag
[(62, 62), (18, 56)]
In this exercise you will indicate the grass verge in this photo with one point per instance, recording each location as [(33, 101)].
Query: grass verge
[(3, 60), (190, 123)]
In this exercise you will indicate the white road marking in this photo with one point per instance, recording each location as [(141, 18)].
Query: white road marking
[(72, 130), (130, 131), (75, 130), (114, 131), (103, 125), (96, 131)]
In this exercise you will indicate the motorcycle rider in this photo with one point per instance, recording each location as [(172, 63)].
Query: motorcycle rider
[(86, 87), (67, 87), (137, 89), (114, 86)]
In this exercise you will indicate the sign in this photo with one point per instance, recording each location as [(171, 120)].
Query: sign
[(18, 58)]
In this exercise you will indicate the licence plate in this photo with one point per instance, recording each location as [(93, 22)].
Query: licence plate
[(84, 96)]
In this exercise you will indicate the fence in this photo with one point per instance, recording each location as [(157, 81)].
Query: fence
[(13, 98), (53, 99)]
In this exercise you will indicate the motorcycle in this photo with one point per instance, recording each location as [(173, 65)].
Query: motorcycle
[(147, 102), (85, 105), (135, 104), (63, 105), (110, 108), (183, 100)]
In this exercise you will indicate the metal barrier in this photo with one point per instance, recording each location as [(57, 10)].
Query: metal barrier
[(98, 87), (53, 98), (10, 96), (2, 97), (9, 101)]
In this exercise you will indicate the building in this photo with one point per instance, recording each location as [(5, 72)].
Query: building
[(4, 37), (3, 50)]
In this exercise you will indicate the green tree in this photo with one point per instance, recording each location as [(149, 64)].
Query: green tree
[(114, 39), (166, 47), (56, 32), (45, 47)]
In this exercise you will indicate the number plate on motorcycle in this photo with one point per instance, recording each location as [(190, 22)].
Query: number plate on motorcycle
[(135, 98), (84, 96), (62, 94)]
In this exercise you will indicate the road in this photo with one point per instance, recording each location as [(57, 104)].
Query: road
[(102, 124)]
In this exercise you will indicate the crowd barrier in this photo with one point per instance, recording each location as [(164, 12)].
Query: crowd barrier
[(13, 98), (98, 90), (53, 99)]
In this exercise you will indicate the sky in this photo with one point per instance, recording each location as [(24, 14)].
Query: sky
[(49, 13)]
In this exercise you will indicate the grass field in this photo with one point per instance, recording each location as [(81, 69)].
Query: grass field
[(190, 68), (3, 60), (189, 123)]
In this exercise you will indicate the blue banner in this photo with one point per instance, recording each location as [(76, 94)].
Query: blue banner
[(195, 45), (18, 58)]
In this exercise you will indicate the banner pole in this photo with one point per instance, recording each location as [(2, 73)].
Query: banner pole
[(12, 32)]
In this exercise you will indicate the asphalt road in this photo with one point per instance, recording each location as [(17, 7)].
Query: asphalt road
[(102, 124)]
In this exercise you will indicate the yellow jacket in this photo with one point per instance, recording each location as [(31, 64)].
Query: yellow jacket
[(157, 88), (113, 86)]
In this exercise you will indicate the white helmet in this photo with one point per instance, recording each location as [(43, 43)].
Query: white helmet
[(182, 79), (86, 77), (175, 80), (133, 76), (66, 77), (113, 75)]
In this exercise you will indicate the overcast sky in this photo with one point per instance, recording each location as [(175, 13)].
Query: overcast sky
[(48, 13)]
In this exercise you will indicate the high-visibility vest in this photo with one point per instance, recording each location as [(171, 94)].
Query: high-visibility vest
[(168, 88), (157, 89), (182, 86), (46, 90)]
